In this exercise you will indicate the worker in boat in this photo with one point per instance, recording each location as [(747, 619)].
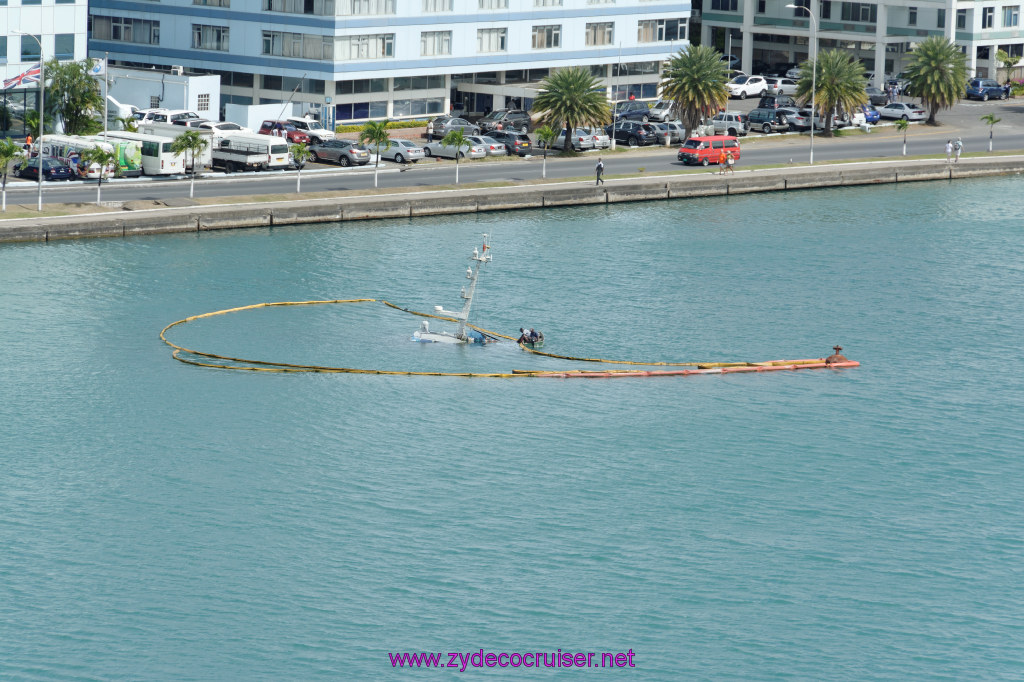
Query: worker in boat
[(524, 336), (835, 357), (535, 336)]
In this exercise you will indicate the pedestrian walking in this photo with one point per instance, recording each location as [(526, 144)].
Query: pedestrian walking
[(949, 150), (721, 162), (599, 170), (729, 162), (958, 147)]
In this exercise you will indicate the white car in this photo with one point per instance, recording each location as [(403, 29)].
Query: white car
[(747, 86), (473, 151), (490, 145), (317, 133), (781, 86), (223, 128), (401, 151), (601, 139), (904, 110), (580, 140), (794, 73)]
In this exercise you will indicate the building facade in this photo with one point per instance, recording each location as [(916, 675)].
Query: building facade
[(361, 59)]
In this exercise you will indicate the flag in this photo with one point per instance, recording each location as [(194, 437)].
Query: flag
[(29, 76), (99, 67)]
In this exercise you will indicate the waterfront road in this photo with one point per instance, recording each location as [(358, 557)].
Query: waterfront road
[(881, 143)]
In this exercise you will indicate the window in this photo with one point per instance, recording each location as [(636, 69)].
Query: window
[(941, 19), (801, 8), (437, 5), (29, 49), (298, 45), (656, 30), (1011, 15), (545, 37), (3, 48), (316, 7), (547, 3), (1015, 50), (417, 107), (31, 2), (141, 31), (988, 17), (154, 101), (493, 4), (491, 39), (203, 102), (858, 11), (730, 5), (375, 46), (209, 37), (826, 9), (213, 3), (961, 19), (64, 46), (601, 33), (911, 16), (761, 6), (435, 43), (365, 7), (418, 83)]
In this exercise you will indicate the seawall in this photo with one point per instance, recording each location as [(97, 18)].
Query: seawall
[(406, 204)]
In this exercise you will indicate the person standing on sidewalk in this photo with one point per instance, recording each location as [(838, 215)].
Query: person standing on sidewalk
[(958, 147), (949, 150), (599, 169)]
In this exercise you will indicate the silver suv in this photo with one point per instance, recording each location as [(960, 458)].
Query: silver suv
[(731, 123)]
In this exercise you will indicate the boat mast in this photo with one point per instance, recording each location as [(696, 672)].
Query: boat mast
[(472, 273)]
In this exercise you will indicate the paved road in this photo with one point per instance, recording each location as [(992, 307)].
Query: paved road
[(883, 142)]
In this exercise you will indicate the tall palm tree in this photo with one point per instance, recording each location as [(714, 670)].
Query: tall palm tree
[(937, 74), (190, 142), (901, 125), (695, 80), (104, 159), (546, 136), (571, 97), (9, 151), (990, 120), (839, 84), (300, 154), (456, 138), (128, 123), (375, 133)]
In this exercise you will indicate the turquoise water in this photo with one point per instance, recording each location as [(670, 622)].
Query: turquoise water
[(160, 521)]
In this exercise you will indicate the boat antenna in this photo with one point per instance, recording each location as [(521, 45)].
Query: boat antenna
[(472, 273)]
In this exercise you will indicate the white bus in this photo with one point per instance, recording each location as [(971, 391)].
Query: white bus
[(173, 130), (157, 157), (129, 155), (68, 149)]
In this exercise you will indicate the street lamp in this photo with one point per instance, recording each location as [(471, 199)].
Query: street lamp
[(39, 141), (814, 66)]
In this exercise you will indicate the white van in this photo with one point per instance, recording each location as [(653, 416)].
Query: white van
[(165, 115), (317, 133)]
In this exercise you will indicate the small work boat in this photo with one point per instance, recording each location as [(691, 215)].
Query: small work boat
[(463, 334)]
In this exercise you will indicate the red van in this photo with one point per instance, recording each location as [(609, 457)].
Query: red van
[(705, 150)]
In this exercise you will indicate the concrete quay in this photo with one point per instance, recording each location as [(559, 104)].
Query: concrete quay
[(408, 204)]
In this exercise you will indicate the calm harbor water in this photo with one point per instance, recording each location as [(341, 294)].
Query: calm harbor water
[(160, 521)]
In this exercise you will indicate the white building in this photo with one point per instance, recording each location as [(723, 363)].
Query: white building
[(766, 33), (59, 25), (396, 58)]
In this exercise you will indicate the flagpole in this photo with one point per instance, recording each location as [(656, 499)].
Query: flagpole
[(42, 113), (106, 56)]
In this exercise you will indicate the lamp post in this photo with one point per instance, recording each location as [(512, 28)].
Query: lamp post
[(814, 67), (39, 140)]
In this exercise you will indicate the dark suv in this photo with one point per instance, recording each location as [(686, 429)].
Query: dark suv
[(506, 119), (632, 110), (768, 120), (515, 143), (633, 133), (776, 101)]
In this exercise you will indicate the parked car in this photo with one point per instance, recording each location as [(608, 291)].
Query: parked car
[(801, 120), (776, 101), (870, 113), (505, 119), (284, 129), (473, 151), (161, 115), (678, 131), (633, 133), (317, 133), (401, 151), (580, 140), (793, 72), (904, 110), (190, 122), (730, 123), (747, 86), (732, 60), (343, 152), (985, 89), (877, 97), (900, 81), (781, 86), (222, 128), (666, 135), (782, 69), (602, 140), (490, 145), (515, 143), (707, 150), (768, 120), (53, 169), (632, 110), (442, 125), (791, 114), (663, 110)]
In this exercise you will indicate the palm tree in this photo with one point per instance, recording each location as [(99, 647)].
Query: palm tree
[(300, 154), (990, 120), (191, 142), (839, 84), (571, 97), (546, 136), (9, 151), (901, 125), (376, 133), (937, 74), (128, 123), (102, 157), (456, 138), (695, 80)]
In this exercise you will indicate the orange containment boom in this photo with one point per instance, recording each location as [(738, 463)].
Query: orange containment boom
[(772, 366)]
